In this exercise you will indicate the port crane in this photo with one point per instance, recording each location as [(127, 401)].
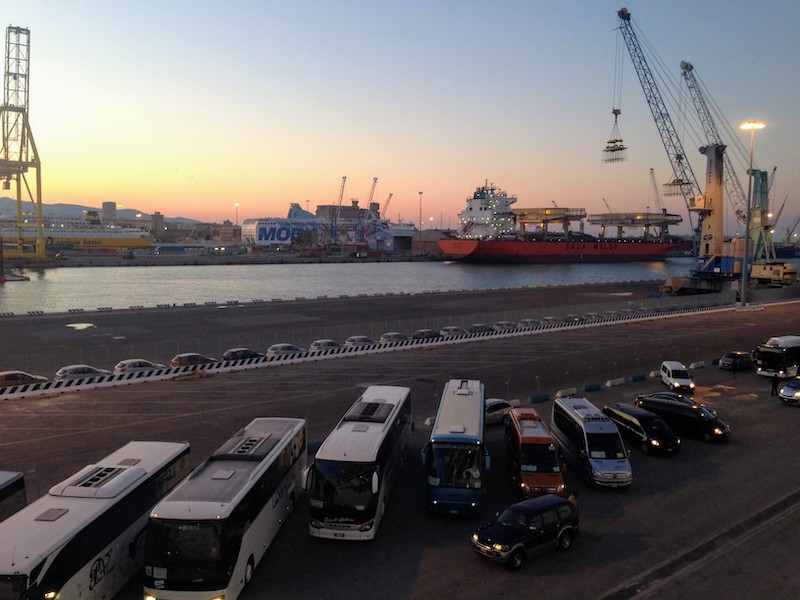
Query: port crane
[(708, 206), (335, 215), (18, 153)]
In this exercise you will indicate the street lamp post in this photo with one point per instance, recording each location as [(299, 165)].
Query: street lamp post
[(752, 126), (420, 211)]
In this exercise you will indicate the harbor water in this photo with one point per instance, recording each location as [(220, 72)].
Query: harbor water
[(90, 288)]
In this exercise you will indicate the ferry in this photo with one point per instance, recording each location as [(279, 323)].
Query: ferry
[(491, 231), (77, 232)]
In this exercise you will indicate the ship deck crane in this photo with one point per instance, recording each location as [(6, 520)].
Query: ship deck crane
[(385, 210)]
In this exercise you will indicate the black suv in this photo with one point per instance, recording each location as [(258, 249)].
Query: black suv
[(527, 528), (648, 429), (687, 418)]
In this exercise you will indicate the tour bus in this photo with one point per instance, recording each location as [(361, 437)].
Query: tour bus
[(206, 537), (84, 538), (532, 454), (455, 457), (591, 442), (357, 466), (12, 494), (779, 356)]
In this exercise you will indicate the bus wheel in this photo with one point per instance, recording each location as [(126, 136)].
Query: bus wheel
[(248, 570), (516, 559)]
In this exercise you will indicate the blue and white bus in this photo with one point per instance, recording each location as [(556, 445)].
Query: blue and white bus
[(357, 466), (84, 538), (455, 458), (206, 537)]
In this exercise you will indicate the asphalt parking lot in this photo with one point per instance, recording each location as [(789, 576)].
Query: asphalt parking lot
[(717, 520)]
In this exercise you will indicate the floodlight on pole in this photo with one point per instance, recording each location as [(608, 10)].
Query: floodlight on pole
[(751, 126)]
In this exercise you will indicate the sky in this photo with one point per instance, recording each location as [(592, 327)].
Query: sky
[(190, 107)]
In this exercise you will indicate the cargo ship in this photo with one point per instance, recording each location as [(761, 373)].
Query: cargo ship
[(490, 231)]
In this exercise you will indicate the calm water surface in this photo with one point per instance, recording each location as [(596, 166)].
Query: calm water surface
[(90, 288)]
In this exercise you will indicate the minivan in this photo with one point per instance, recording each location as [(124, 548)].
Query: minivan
[(527, 528), (532, 454), (676, 377), (589, 440), (644, 427), (689, 419)]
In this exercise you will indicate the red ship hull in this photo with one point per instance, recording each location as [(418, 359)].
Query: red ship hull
[(555, 251)]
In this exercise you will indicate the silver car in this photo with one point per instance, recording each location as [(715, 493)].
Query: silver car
[(79, 372), (283, 349), (135, 365)]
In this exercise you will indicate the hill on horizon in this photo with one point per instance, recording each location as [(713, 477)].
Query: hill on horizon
[(8, 210)]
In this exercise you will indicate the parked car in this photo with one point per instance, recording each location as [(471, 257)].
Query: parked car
[(323, 344), (79, 372), (393, 336), (676, 376), (9, 378), (676, 397), (528, 323), (190, 358), (135, 365), (452, 330), (284, 348), (241, 354), (479, 328), (527, 528), (496, 409), (646, 428), (737, 360), (503, 325), (790, 392), (688, 419), (354, 341), (424, 334)]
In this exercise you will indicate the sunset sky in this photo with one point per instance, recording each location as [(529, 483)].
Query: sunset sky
[(189, 107)]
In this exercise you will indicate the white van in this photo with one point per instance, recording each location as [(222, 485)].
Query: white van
[(676, 377), (591, 442)]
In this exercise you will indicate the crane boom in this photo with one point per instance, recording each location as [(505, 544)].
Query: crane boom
[(385, 211), (656, 195), (732, 186), (372, 191), (684, 176)]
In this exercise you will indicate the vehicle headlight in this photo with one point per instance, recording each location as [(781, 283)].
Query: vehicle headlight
[(524, 487), (474, 537), (655, 443), (676, 385), (499, 548), (718, 431), (691, 385), (796, 394), (560, 488), (596, 473)]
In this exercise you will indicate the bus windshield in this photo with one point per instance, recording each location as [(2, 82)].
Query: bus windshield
[(539, 458), (454, 465), (772, 359), (605, 445), (343, 490), (190, 555)]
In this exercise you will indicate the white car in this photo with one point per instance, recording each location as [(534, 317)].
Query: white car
[(79, 372), (133, 365), (323, 344), (529, 323), (452, 330), (393, 336), (355, 341), (495, 409), (284, 348)]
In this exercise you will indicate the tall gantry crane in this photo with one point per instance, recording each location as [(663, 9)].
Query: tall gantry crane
[(18, 153)]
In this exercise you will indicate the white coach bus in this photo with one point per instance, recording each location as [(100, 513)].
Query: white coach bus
[(357, 465), (84, 539), (205, 539)]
